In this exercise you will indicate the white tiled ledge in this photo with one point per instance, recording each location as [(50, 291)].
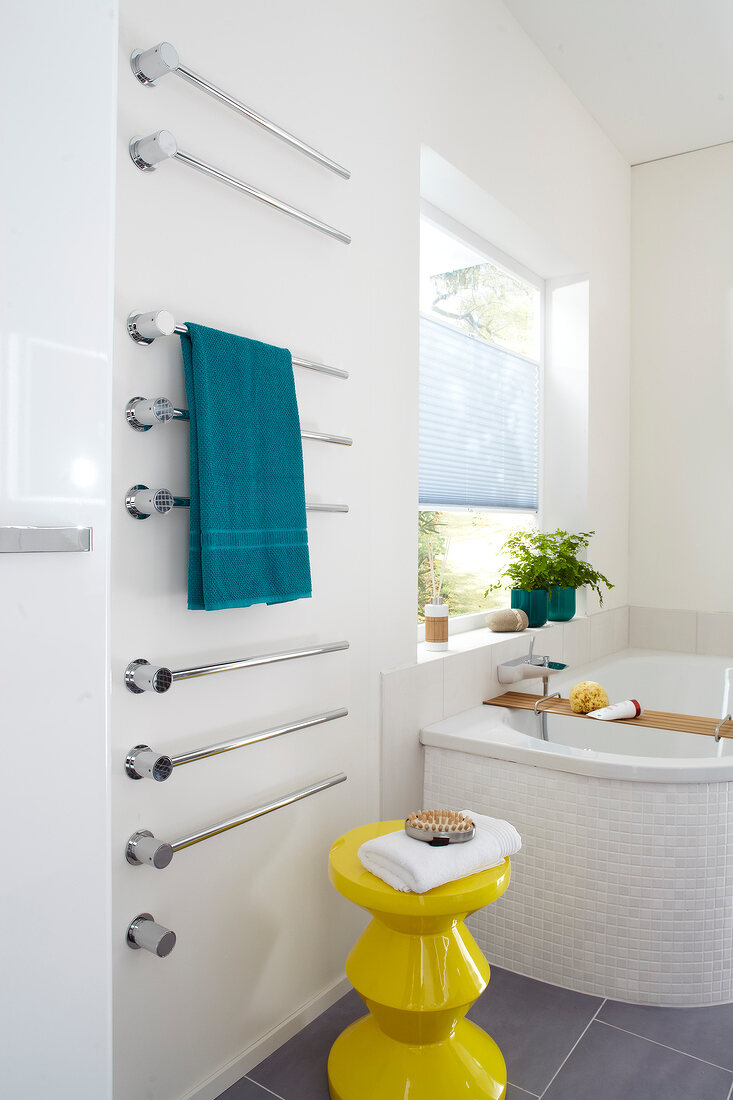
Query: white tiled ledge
[(680, 631), (582, 639), (476, 639)]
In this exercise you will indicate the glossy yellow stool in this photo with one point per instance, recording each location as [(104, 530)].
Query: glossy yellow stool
[(419, 970)]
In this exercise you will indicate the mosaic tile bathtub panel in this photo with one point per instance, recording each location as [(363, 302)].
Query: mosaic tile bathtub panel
[(621, 889)]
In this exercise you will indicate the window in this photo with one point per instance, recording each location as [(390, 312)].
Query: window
[(481, 335)]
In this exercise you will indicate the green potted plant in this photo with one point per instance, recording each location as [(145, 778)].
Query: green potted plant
[(528, 574), (568, 572), (545, 571)]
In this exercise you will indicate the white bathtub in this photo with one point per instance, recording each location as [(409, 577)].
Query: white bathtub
[(624, 886)]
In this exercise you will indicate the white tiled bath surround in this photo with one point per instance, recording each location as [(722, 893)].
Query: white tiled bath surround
[(444, 684), (622, 889)]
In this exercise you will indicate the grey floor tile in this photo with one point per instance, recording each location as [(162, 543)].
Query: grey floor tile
[(706, 1033), (608, 1064), (246, 1090), (514, 1093), (535, 1024), (297, 1071)]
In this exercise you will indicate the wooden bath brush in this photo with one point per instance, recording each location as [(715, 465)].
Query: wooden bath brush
[(439, 827)]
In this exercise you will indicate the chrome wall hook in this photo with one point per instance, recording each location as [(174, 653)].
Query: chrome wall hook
[(143, 932)]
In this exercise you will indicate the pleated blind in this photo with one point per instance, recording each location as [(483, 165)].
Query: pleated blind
[(479, 423)]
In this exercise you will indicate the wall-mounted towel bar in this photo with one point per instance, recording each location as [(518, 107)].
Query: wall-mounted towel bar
[(144, 848), (141, 676), (150, 65), (149, 151), (143, 328), (143, 413), (142, 502), (142, 762)]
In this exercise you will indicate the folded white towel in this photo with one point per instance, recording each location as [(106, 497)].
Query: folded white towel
[(416, 867)]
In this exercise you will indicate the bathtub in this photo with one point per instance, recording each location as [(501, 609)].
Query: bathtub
[(624, 885)]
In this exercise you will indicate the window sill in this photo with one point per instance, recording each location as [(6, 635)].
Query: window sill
[(478, 639)]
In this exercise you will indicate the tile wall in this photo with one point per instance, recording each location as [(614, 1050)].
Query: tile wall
[(701, 632)]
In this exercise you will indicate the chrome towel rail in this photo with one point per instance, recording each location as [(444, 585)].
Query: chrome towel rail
[(141, 676), (152, 64), (142, 502), (142, 762), (143, 848), (143, 328), (143, 413), (149, 151)]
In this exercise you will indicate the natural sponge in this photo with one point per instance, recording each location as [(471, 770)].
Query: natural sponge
[(587, 696)]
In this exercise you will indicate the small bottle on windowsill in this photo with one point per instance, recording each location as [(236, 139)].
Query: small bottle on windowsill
[(436, 624)]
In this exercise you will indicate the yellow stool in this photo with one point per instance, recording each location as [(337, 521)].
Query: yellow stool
[(419, 970)]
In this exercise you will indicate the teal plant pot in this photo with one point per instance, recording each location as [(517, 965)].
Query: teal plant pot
[(562, 605), (533, 604)]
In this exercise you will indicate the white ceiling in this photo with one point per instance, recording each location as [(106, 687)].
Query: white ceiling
[(657, 75)]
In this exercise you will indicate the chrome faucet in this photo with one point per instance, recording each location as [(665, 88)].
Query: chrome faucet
[(527, 667)]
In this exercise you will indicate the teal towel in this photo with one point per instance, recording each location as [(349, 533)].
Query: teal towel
[(248, 542)]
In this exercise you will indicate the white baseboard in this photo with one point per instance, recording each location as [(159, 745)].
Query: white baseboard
[(264, 1047)]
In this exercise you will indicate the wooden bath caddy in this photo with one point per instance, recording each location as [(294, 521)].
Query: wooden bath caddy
[(653, 719)]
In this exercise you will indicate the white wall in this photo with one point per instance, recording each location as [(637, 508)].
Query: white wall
[(682, 396), (261, 932), (262, 936), (58, 89)]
